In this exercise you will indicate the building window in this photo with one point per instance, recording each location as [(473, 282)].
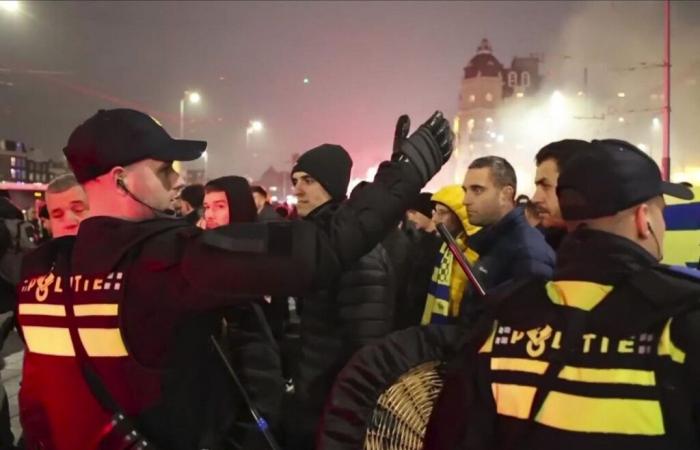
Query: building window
[(512, 79), (489, 97), (525, 79), (472, 98)]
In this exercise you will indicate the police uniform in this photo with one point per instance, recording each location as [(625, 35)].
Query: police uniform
[(117, 320), (604, 356)]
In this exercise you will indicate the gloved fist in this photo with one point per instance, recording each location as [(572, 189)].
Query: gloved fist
[(429, 147)]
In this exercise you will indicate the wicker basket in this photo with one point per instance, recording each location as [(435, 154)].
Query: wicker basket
[(401, 416)]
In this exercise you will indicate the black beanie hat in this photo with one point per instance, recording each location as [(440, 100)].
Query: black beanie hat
[(423, 204), (330, 165)]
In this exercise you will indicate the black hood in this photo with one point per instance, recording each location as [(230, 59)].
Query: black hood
[(241, 206)]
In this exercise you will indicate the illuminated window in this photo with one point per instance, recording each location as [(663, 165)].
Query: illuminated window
[(512, 79), (525, 79), (489, 97), (472, 98)]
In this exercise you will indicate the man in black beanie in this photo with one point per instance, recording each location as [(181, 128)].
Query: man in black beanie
[(353, 309), (321, 175)]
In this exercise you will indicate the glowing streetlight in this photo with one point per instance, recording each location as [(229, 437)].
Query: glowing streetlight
[(10, 6), (254, 126), (193, 98), (621, 94), (655, 123)]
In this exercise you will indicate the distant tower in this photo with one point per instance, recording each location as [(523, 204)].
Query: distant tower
[(480, 96)]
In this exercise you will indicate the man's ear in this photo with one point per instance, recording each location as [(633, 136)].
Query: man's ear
[(118, 176), (641, 221), (507, 195)]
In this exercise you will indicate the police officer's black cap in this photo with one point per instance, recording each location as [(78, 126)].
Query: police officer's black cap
[(119, 137), (609, 177)]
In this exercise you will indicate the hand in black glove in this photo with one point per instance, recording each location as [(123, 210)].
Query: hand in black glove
[(428, 148)]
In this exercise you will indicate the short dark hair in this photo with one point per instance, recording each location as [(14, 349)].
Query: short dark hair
[(258, 190), (62, 183), (561, 151), (502, 172), (44, 212), (193, 194)]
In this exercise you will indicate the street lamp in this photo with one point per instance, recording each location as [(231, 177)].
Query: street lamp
[(10, 6), (192, 97), (254, 126)]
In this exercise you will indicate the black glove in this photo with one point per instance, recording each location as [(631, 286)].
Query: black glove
[(429, 147), (403, 125)]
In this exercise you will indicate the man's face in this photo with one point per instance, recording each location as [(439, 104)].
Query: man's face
[(309, 192), (153, 182), (259, 200), (420, 221), (545, 197), (486, 203), (444, 215), (66, 210), (215, 209)]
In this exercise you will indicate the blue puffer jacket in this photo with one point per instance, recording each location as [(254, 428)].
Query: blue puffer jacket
[(510, 249)]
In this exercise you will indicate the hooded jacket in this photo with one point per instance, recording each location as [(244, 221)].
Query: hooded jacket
[(448, 281)]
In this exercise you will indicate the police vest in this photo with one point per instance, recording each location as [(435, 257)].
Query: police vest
[(58, 312), (579, 365)]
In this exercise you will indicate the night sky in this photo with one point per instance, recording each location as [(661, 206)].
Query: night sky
[(366, 63)]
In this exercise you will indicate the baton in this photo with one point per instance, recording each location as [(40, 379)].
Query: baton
[(259, 420), (461, 260)]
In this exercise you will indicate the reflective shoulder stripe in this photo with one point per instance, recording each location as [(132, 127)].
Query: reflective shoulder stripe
[(602, 415), (578, 294), (96, 309), (48, 340), (668, 348), (40, 309), (105, 342)]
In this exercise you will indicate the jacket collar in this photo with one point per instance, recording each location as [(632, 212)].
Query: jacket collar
[(600, 257), (486, 238)]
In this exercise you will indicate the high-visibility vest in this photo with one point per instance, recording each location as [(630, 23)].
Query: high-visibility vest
[(57, 313)]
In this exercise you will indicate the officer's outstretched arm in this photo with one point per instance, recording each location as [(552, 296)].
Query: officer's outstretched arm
[(371, 212), (243, 260)]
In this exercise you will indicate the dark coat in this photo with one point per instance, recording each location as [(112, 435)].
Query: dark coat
[(354, 310)]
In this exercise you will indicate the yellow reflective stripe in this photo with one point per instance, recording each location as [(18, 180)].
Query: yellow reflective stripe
[(48, 340), (519, 365), (39, 309), (616, 376), (102, 342), (488, 345), (513, 400), (96, 309), (428, 311), (668, 348), (578, 294), (601, 415)]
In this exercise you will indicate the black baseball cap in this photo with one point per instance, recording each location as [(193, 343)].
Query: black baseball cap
[(119, 137), (611, 176)]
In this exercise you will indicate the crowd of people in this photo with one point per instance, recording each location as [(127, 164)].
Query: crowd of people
[(584, 339)]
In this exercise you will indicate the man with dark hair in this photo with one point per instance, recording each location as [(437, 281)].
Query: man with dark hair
[(550, 159), (607, 354), (508, 247), (266, 213), (191, 202)]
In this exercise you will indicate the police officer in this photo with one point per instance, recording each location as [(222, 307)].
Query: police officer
[(115, 320), (605, 356)]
